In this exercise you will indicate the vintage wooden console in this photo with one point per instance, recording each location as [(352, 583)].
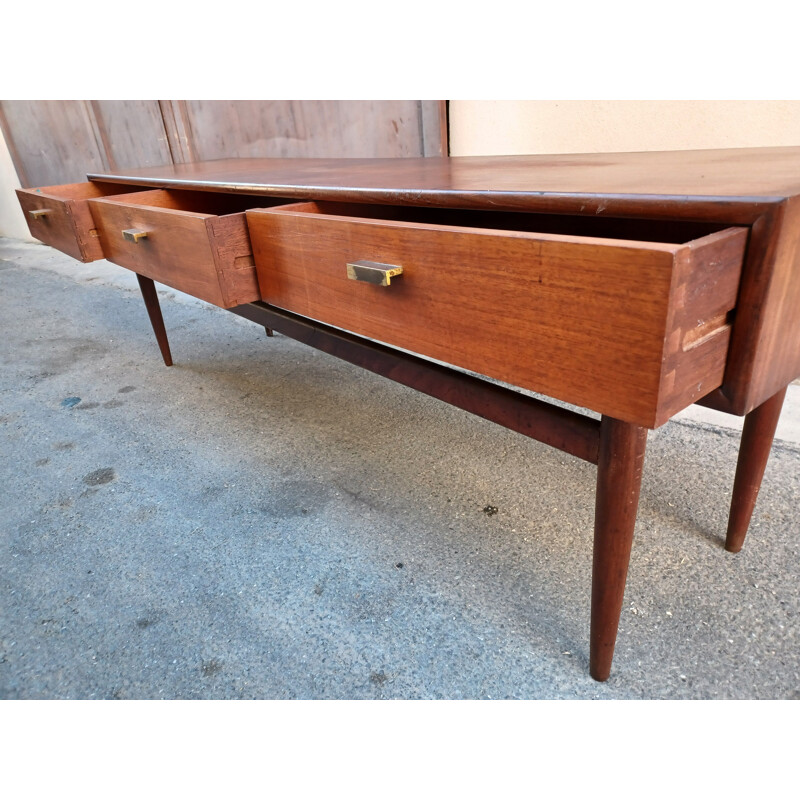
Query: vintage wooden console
[(629, 284)]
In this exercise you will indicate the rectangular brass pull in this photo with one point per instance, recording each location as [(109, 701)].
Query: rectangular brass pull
[(373, 272), (133, 235), (38, 213)]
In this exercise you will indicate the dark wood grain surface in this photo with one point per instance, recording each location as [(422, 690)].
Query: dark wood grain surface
[(619, 479), (632, 329), (176, 250), (701, 182), (755, 187), (68, 224), (635, 328), (757, 435)]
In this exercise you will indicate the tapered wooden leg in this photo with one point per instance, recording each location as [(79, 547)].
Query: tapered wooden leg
[(619, 478), (156, 320), (757, 436), (269, 331)]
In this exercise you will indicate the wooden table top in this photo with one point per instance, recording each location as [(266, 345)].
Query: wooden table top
[(743, 180)]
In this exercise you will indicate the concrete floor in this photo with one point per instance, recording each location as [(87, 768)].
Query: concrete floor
[(232, 528)]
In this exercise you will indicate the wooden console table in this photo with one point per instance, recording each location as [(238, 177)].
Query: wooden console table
[(629, 284)]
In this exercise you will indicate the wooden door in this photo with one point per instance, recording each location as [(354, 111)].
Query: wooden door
[(59, 141)]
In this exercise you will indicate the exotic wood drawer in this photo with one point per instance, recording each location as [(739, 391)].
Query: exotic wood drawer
[(617, 282), (196, 242), (60, 216), (635, 328)]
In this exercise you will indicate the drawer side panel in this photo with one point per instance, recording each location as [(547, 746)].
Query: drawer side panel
[(704, 293), (234, 259)]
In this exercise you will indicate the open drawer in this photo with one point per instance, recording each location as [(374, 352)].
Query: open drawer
[(196, 242), (634, 328), (60, 216)]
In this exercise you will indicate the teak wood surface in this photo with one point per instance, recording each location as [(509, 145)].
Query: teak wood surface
[(756, 187), (196, 242), (634, 330), (632, 284), (68, 226), (690, 179)]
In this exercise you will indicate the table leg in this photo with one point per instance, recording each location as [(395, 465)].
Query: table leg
[(757, 436), (156, 320), (619, 477)]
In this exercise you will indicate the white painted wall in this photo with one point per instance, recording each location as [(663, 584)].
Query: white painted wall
[(12, 222), (505, 127)]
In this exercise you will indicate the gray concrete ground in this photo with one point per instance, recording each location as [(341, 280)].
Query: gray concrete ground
[(264, 521)]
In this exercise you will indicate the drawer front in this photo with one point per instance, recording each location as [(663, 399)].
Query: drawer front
[(60, 216), (629, 329), (159, 234)]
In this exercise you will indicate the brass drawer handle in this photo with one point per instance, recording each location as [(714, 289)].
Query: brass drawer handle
[(133, 235), (373, 272), (38, 213)]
